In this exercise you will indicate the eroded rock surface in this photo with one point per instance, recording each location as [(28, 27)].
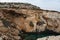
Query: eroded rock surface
[(26, 18), (50, 38)]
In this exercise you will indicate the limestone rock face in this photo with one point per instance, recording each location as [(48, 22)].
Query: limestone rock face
[(52, 19), (30, 20), (26, 18)]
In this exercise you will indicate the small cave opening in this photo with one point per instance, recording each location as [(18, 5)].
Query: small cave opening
[(40, 23), (31, 24)]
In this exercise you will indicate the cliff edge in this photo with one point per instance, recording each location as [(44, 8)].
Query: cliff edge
[(16, 18)]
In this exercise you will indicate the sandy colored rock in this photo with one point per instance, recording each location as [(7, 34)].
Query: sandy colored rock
[(30, 20), (50, 38), (27, 18)]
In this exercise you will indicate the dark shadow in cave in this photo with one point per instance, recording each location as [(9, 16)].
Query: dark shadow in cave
[(13, 13)]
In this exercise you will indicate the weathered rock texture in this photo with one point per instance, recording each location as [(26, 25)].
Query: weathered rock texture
[(50, 38), (15, 17)]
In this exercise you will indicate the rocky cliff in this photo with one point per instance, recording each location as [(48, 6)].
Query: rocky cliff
[(16, 18)]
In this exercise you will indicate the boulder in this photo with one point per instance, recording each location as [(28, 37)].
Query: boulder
[(50, 38)]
